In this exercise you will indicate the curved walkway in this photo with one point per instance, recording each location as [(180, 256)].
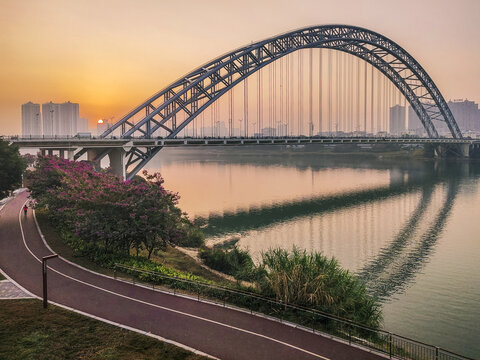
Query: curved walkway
[(214, 330)]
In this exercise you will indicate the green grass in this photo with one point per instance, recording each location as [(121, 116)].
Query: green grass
[(2, 277), (173, 258), (30, 332)]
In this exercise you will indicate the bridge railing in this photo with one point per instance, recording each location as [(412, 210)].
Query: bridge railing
[(395, 346)]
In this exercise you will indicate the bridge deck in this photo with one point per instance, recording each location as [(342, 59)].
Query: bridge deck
[(73, 142)]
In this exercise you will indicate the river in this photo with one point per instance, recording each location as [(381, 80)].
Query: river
[(409, 228)]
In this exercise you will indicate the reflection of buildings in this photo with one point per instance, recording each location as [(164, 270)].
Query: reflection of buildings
[(397, 120), (31, 124), (466, 114)]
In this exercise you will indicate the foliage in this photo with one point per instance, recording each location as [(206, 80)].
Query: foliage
[(12, 166), (106, 212), (235, 262), (313, 280), (194, 238)]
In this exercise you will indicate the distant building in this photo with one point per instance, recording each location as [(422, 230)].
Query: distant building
[(467, 115), (68, 118), (220, 130), (60, 119), (282, 130), (51, 118), (102, 126), (415, 126), (268, 132), (82, 125), (397, 120), (31, 123)]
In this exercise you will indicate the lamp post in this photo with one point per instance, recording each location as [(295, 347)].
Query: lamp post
[(44, 276), (51, 118), (37, 125)]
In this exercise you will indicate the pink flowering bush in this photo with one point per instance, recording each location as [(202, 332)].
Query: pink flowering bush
[(106, 212)]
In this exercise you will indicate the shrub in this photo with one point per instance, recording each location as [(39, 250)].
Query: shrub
[(235, 262), (315, 281)]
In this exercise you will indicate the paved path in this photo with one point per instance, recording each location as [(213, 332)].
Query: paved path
[(8, 290), (214, 330)]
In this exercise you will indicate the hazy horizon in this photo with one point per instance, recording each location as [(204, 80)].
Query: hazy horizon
[(108, 56)]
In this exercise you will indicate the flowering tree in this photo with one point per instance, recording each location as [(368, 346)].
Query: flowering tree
[(104, 210)]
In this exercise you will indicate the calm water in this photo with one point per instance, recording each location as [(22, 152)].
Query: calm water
[(410, 229)]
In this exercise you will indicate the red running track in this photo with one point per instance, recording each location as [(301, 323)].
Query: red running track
[(214, 330)]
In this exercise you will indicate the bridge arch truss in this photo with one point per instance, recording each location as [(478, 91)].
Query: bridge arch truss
[(196, 91)]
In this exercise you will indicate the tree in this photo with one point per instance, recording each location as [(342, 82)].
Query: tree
[(12, 166), (111, 214)]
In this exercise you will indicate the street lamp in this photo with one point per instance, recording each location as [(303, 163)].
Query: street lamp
[(51, 118), (44, 275), (37, 125)]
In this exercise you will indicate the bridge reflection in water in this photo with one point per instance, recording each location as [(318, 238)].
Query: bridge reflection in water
[(421, 203)]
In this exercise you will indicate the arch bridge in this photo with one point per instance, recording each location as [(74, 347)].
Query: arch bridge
[(193, 93)]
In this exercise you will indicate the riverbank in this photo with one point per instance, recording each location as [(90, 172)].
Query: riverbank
[(170, 257)]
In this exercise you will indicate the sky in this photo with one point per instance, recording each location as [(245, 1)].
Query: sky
[(110, 55)]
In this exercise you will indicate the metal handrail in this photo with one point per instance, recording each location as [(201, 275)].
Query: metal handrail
[(394, 345)]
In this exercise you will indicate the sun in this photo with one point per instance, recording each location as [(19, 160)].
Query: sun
[(100, 121)]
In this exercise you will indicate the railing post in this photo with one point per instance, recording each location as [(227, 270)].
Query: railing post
[(115, 273), (349, 334), (313, 322), (390, 345), (437, 349)]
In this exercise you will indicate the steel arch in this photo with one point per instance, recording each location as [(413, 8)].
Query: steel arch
[(197, 90)]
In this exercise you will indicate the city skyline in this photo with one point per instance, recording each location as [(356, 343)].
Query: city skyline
[(109, 69)]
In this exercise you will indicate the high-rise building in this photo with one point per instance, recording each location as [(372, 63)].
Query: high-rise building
[(31, 124), (68, 118), (397, 120), (414, 123), (60, 119), (268, 132), (282, 129), (102, 126), (51, 118), (82, 125), (467, 115)]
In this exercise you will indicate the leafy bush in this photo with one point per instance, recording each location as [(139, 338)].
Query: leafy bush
[(315, 281), (235, 262), (193, 238), (12, 166)]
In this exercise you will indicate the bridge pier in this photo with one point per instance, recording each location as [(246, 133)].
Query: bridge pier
[(117, 162), (115, 155), (93, 157), (447, 150)]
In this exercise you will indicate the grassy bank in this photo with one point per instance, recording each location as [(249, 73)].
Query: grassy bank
[(169, 257), (2, 277), (30, 332)]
